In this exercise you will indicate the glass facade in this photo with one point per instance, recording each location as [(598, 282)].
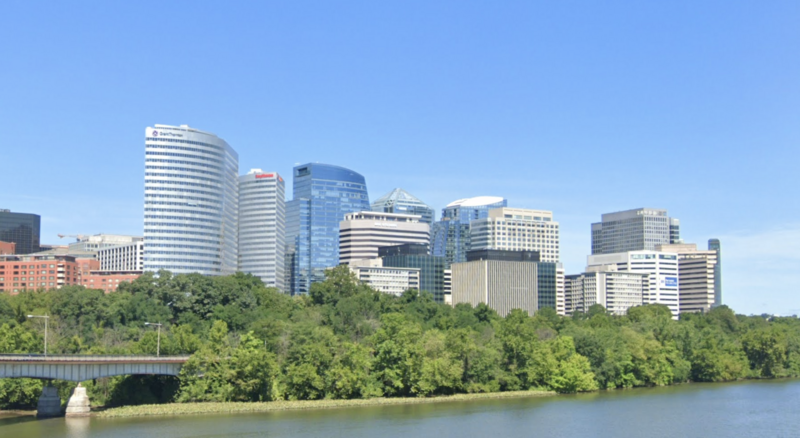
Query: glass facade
[(431, 271), (20, 228), (400, 201), (546, 273), (714, 245), (450, 237), (322, 195), (634, 230), (191, 197)]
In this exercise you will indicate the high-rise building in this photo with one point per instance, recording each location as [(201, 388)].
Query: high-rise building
[(661, 268), (697, 271), (505, 280), (191, 196), (322, 195), (634, 230), (714, 245), (22, 229), (450, 237), (362, 233), (605, 285), (517, 229), (432, 277), (402, 202), (262, 226)]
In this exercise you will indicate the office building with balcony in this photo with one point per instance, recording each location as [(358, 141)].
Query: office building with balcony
[(33, 272), (191, 196), (262, 227)]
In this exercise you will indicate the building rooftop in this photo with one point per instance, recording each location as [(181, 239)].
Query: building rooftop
[(476, 201)]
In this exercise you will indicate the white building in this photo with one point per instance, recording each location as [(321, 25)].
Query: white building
[(634, 230), (262, 226), (362, 233), (393, 281), (661, 268), (696, 273), (191, 198), (501, 285), (605, 285), (101, 241), (517, 229), (122, 258)]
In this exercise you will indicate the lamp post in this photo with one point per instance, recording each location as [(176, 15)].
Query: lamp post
[(158, 347), (46, 318)]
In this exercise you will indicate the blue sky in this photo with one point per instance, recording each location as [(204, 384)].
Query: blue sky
[(578, 107)]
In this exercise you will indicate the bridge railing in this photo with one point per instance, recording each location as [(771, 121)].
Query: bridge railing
[(89, 358)]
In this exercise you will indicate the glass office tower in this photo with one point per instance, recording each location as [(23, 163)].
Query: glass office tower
[(400, 201), (322, 195), (191, 202), (23, 229), (450, 237), (714, 245)]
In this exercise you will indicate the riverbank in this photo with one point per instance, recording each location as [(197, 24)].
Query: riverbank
[(249, 407)]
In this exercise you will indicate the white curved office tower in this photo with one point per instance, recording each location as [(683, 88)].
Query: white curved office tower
[(262, 226), (191, 196)]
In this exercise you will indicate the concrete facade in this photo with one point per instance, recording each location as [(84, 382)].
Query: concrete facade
[(697, 270), (517, 229), (262, 227), (393, 281), (616, 291), (634, 230), (362, 233), (501, 285), (122, 258)]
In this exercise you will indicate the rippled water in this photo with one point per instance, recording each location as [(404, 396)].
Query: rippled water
[(747, 409)]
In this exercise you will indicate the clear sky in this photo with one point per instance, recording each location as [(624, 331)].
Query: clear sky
[(579, 107)]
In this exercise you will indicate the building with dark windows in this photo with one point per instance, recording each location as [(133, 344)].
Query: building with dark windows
[(322, 195), (191, 196), (362, 233), (634, 230), (22, 229), (432, 268), (450, 237), (714, 245), (402, 202)]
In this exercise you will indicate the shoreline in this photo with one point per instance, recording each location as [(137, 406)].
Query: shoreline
[(174, 409)]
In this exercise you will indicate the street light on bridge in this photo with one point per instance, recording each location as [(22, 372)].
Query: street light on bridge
[(46, 318), (158, 347)]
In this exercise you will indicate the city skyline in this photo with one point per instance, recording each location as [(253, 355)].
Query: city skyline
[(579, 111)]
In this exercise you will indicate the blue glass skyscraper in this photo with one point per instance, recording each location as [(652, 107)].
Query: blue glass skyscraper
[(322, 195), (400, 201), (450, 236)]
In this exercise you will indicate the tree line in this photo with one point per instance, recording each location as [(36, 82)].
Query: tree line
[(345, 340)]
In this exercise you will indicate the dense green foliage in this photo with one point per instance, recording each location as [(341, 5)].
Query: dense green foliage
[(344, 341)]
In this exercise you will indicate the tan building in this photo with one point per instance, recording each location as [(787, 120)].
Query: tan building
[(393, 281), (362, 233), (517, 229), (615, 290), (501, 285), (696, 276)]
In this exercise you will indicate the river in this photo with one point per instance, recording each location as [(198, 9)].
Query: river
[(731, 410)]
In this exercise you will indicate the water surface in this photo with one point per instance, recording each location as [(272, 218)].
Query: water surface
[(746, 409)]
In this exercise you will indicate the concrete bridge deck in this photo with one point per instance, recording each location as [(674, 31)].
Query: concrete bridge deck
[(79, 368)]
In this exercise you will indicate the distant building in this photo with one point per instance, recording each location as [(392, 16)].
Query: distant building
[(122, 258), (191, 196), (697, 271), (450, 237), (505, 280), (714, 245), (33, 272), (262, 227), (322, 195), (101, 241), (661, 268), (432, 268), (605, 285), (362, 233), (22, 229), (390, 280), (7, 248), (634, 230), (517, 229), (401, 202)]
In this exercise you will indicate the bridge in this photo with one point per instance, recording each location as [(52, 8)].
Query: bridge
[(79, 368)]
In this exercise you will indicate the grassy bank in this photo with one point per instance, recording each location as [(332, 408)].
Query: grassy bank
[(233, 407)]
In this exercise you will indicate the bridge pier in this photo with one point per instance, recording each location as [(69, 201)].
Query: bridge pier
[(49, 402), (78, 405)]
